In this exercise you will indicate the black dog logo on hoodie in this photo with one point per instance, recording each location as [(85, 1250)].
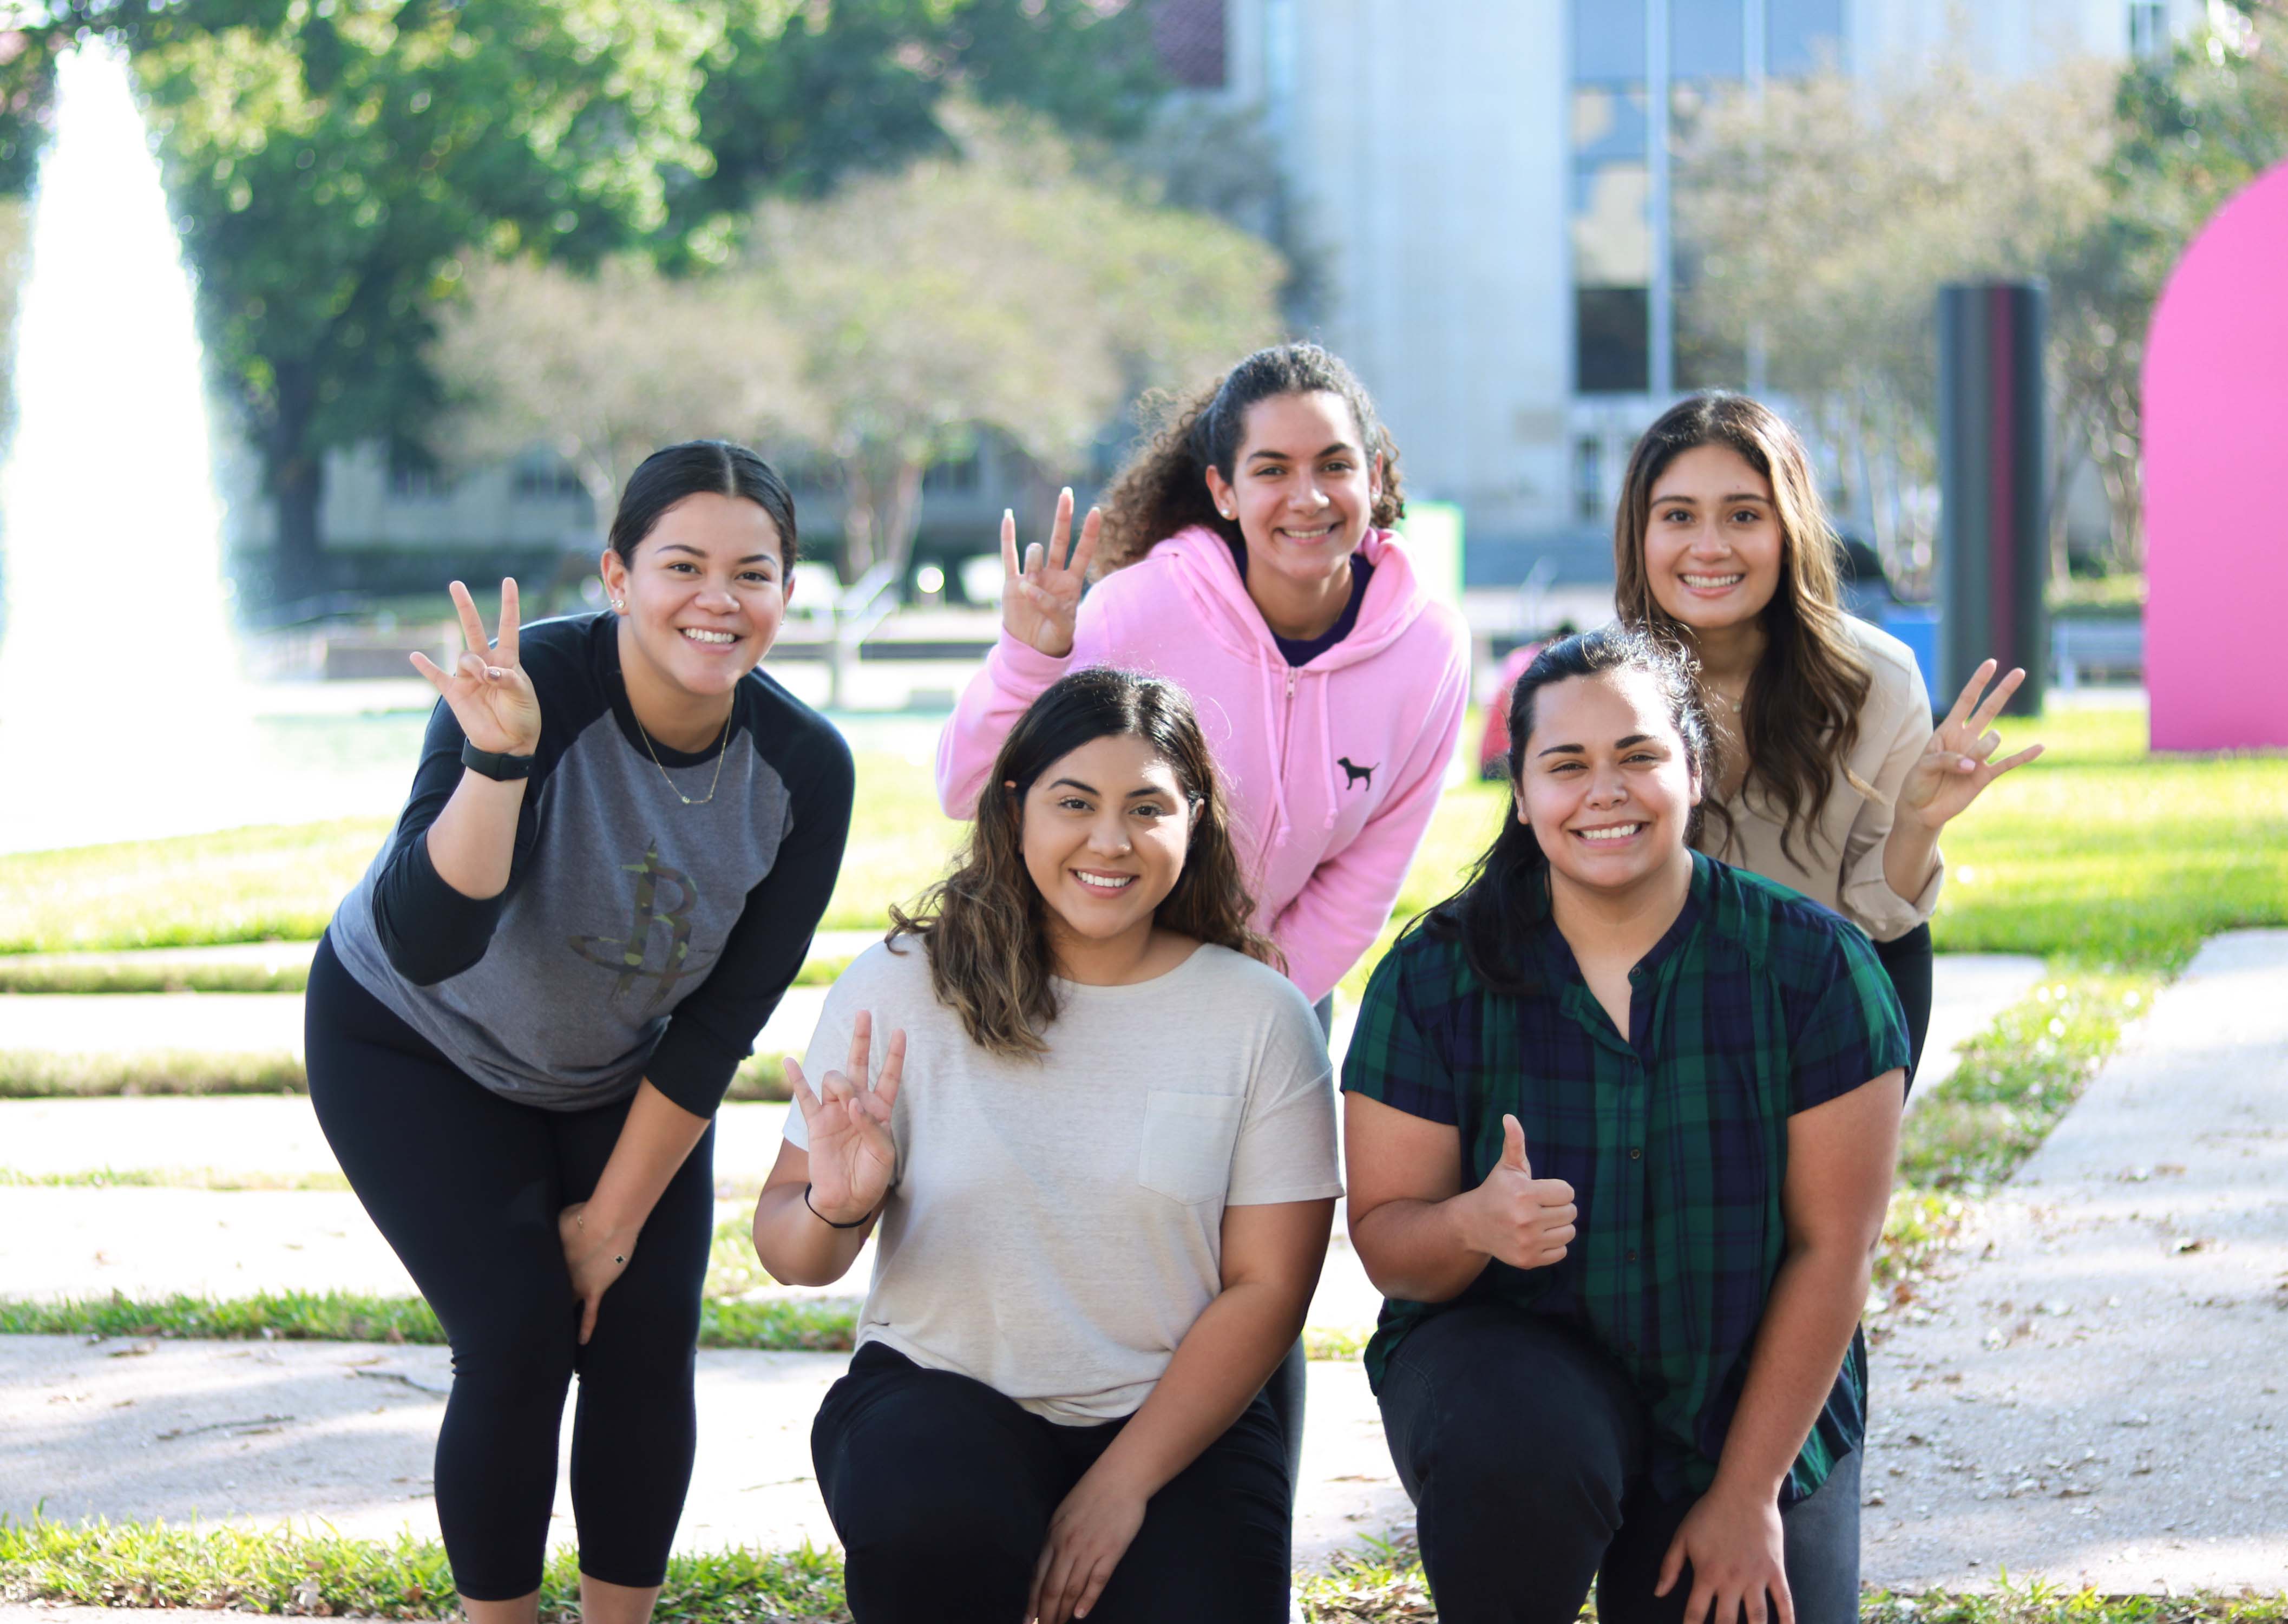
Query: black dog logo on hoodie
[(1357, 775)]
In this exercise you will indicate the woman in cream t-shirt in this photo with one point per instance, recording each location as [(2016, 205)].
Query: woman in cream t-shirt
[(1833, 780), (1099, 1146)]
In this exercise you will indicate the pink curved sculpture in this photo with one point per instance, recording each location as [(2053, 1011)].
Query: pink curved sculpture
[(2216, 484)]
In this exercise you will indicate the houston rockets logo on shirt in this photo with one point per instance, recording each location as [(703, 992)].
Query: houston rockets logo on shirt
[(630, 955)]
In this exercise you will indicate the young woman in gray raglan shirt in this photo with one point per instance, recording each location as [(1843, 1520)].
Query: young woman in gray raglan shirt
[(619, 841)]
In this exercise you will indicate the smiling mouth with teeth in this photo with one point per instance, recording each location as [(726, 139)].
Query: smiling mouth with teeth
[(714, 639), (1101, 883), (1617, 832), (1714, 580)]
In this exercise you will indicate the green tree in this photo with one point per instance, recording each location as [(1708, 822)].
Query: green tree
[(604, 368), (337, 165), (330, 173), (1006, 290), (797, 96)]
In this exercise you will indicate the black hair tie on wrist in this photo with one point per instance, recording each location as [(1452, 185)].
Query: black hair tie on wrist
[(828, 1223)]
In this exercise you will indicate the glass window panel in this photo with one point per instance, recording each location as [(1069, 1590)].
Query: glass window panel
[(1608, 122), (1611, 345), (1707, 39), (1800, 36), (1588, 478), (1612, 236), (1609, 39)]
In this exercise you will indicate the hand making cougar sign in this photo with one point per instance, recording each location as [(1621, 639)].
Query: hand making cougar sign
[(1040, 598), (853, 1156), (490, 696)]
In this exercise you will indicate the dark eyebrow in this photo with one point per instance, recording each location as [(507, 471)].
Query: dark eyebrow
[(1341, 445), (1090, 789), (1736, 496), (685, 546), (1630, 742)]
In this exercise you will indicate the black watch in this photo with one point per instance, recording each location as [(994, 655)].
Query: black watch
[(490, 764)]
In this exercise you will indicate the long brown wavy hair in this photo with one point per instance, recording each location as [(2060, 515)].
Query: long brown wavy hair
[(1801, 718), (985, 925), (1163, 486)]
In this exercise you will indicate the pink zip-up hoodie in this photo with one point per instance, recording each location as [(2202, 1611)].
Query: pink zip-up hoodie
[(1333, 769)]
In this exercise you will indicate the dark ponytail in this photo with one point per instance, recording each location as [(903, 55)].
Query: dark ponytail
[(1506, 895), (711, 466)]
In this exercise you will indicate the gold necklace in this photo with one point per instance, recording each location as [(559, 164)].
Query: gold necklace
[(720, 752)]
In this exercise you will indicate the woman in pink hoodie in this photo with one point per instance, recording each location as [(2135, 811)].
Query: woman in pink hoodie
[(1247, 556)]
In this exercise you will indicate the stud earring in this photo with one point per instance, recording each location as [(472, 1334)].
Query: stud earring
[(619, 603)]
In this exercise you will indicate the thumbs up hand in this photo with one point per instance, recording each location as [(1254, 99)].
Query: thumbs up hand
[(1525, 1222)]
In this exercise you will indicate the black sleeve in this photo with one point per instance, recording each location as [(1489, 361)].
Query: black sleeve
[(429, 930), (714, 1029)]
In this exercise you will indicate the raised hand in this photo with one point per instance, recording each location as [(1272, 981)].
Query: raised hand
[(490, 696), (1956, 763), (853, 1156), (1040, 599), (1525, 1222)]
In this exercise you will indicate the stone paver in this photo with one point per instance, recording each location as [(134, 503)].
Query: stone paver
[(2101, 1395)]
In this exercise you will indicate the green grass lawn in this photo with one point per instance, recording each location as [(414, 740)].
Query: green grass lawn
[(281, 883), (2099, 852)]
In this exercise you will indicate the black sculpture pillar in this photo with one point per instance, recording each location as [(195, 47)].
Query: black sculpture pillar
[(1993, 465)]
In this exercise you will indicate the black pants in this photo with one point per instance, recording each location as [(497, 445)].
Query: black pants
[(942, 1491), (1907, 960), (466, 1186), (1525, 1449)]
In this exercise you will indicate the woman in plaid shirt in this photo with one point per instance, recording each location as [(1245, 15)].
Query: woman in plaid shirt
[(1621, 1123)]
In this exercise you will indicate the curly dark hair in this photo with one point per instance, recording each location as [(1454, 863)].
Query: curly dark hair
[(1164, 488)]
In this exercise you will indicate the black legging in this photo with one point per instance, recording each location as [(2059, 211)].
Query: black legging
[(466, 1187), (942, 1490), (1907, 960)]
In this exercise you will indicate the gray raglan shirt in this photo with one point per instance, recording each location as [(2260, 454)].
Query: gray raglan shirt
[(638, 937)]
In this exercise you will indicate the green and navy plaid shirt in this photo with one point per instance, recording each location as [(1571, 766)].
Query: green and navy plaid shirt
[(1757, 1004)]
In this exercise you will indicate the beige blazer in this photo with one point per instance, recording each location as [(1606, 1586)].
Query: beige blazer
[(1838, 860)]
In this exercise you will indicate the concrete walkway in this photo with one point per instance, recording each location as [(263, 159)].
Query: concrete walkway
[(2101, 1396)]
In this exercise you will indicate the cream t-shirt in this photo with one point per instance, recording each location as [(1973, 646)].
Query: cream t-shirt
[(1056, 1227), (1837, 862)]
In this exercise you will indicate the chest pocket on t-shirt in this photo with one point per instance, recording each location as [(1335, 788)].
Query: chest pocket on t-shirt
[(1187, 1144)]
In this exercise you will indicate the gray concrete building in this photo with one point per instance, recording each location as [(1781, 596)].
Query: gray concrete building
[(1489, 183)]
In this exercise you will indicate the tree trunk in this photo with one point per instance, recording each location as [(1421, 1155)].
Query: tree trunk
[(297, 477), (896, 522), (298, 487)]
